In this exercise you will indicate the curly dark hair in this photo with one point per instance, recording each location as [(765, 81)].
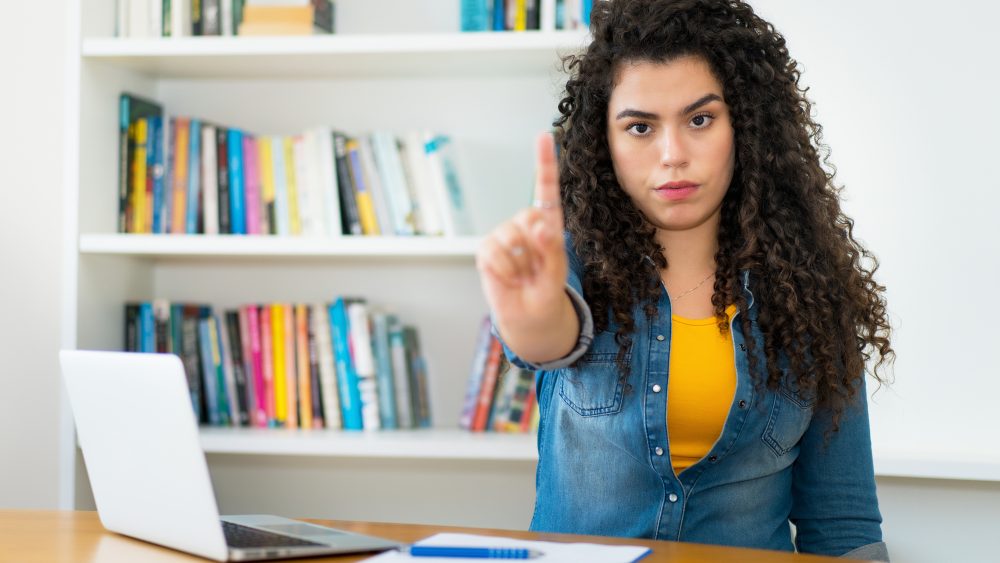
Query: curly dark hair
[(780, 220)]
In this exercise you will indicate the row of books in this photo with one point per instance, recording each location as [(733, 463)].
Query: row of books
[(342, 365), (195, 18), (525, 15), (183, 175), (498, 397)]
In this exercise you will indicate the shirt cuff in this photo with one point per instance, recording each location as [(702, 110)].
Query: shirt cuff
[(872, 552), (583, 342)]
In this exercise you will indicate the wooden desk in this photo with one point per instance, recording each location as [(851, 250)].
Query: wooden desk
[(55, 537)]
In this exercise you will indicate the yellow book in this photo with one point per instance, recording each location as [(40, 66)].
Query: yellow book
[(521, 16), (266, 168), (180, 182), (139, 177), (305, 373), (290, 371), (278, 353), (362, 195), (294, 224)]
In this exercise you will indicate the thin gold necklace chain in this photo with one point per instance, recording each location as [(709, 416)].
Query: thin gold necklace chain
[(701, 283)]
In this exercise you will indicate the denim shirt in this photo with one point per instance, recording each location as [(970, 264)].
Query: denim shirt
[(604, 455)]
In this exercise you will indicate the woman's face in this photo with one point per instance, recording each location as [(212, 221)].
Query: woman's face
[(669, 123)]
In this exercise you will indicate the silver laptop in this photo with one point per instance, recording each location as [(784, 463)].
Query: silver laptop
[(139, 438)]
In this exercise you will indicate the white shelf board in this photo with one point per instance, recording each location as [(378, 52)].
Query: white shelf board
[(411, 444), (460, 444), (448, 54), (962, 466), (278, 246)]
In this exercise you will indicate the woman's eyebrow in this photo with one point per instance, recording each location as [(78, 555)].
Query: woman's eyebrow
[(652, 116)]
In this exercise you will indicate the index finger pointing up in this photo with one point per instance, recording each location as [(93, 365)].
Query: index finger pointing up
[(547, 177)]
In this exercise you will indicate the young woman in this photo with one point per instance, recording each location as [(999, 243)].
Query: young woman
[(691, 295)]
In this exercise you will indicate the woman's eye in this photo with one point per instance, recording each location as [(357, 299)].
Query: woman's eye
[(638, 129), (699, 121)]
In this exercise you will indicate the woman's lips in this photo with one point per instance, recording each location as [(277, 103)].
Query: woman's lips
[(674, 194)]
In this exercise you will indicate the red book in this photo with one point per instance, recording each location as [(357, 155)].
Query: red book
[(490, 373)]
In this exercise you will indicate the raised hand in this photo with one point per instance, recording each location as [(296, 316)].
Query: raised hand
[(523, 264)]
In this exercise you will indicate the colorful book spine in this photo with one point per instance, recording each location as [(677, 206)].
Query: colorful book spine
[(350, 218), (156, 141), (363, 197), (315, 392), (267, 363), (194, 179), (280, 366), (483, 341), (265, 165), (327, 367), (237, 214), (222, 385), (282, 223), (364, 362), (291, 185), (486, 391), (401, 373), (303, 365), (246, 356), (210, 201), (222, 179), (383, 371), (139, 177), (251, 185), (347, 379), (208, 372), (291, 370), (257, 354), (182, 150)]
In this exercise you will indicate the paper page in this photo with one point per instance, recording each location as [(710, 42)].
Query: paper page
[(552, 551)]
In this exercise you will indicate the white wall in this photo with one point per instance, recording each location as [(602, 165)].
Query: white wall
[(907, 106), (32, 67)]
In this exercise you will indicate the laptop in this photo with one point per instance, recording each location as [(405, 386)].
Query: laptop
[(139, 438)]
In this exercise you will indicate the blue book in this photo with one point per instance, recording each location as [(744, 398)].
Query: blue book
[(475, 15), (147, 328), (194, 178), (154, 163), (383, 371), (347, 378), (221, 389), (237, 214), (499, 17), (208, 370), (281, 213)]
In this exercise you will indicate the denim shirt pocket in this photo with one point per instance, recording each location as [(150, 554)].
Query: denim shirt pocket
[(791, 414), (593, 386)]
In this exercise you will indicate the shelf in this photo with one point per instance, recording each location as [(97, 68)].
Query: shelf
[(459, 444), (408, 444), (279, 246), (447, 54), (958, 466)]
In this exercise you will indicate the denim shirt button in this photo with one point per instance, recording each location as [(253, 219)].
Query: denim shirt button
[(743, 404), (659, 337), (743, 347), (713, 459), (658, 450), (673, 497), (656, 388)]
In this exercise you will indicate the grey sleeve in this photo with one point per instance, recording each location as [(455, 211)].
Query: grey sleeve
[(582, 343)]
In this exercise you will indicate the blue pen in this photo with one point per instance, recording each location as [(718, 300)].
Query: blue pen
[(474, 552)]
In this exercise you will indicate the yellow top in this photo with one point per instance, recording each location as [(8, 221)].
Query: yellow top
[(701, 387)]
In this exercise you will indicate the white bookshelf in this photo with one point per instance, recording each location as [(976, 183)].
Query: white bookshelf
[(491, 92), (165, 246), (446, 444)]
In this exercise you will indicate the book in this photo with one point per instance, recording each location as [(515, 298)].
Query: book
[(350, 217), (210, 181), (328, 179), (401, 374), (291, 369), (278, 352), (315, 394), (282, 215), (384, 379), (303, 366), (249, 404), (237, 214), (483, 342), (267, 363), (194, 195), (254, 329), (375, 186), (491, 372), (251, 185), (364, 362), (347, 378), (416, 154), (158, 173), (268, 225), (291, 186), (390, 169), (182, 149), (419, 384), (327, 367), (221, 173), (227, 368), (205, 347), (234, 343), (362, 193)]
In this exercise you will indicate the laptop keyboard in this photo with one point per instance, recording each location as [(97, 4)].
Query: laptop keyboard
[(242, 536)]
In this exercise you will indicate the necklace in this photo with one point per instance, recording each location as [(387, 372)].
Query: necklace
[(702, 282)]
